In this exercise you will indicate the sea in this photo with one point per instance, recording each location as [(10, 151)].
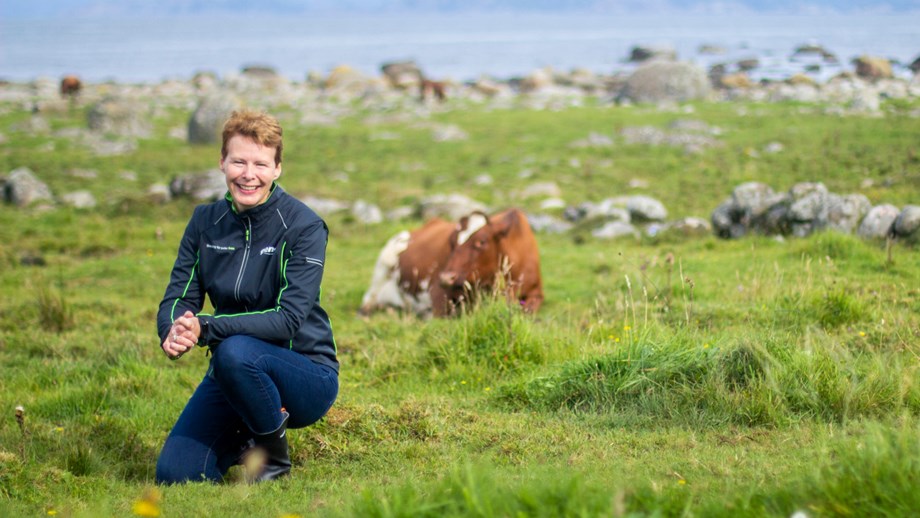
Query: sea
[(458, 46)]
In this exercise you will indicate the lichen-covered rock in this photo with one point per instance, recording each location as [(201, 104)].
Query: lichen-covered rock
[(23, 188), (208, 186), (877, 223), (206, 123), (660, 80)]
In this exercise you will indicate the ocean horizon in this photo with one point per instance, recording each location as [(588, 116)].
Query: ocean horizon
[(459, 46)]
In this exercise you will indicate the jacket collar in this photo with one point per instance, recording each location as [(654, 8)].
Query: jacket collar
[(262, 211)]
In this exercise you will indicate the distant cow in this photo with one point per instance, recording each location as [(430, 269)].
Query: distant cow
[(434, 268), (70, 86)]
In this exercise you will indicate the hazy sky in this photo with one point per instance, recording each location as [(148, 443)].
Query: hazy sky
[(11, 9)]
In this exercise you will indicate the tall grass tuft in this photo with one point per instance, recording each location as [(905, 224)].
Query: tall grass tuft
[(747, 383), (493, 334), (54, 312)]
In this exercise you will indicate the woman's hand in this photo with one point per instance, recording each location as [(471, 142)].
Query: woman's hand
[(183, 335)]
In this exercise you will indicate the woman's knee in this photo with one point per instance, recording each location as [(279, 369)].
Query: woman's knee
[(177, 464), (232, 352)]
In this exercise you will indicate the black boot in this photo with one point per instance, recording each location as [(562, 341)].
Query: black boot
[(268, 458)]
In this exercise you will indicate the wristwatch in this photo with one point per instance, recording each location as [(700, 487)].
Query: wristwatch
[(205, 331)]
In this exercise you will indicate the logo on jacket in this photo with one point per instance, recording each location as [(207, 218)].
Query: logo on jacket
[(269, 250)]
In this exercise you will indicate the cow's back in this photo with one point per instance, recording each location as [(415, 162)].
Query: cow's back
[(425, 256)]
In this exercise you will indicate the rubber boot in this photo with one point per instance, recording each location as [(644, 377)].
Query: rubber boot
[(268, 459)]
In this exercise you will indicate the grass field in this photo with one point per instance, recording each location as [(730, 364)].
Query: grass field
[(663, 377)]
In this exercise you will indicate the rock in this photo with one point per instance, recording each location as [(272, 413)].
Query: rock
[(402, 74), (749, 64), (739, 80), (915, 66), (537, 80), (324, 206), (614, 230), (866, 101), (878, 222), (120, 117), (659, 81), (710, 50), (23, 188), (208, 186), (552, 204), (448, 133), (639, 54), (400, 213), (687, 227), (540, 189), (548, 224), (845, 212), (366, 213), (644, 208), (207, 122), (449, 206), (872, 68), (159, 194), (907, 224), (79, 199)]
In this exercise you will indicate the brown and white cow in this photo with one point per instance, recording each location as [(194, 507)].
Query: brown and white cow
[(487, 249), (405, 268), (434, 268)]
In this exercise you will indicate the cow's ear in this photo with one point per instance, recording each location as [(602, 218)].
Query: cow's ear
[(504, 226), (452, 239)]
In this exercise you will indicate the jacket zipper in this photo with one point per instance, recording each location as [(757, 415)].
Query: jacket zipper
[(239, 278)]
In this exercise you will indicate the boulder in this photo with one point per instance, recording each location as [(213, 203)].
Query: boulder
[(639, 54), (23, 188), (207, 186), (907, 224), (878, 222), (659, 81), (615, 229), (872, 68), (644, 208), (402, 74), (207, 122), (366, 213), (845, 212), (79, 199), (324, 206), (119, 117)]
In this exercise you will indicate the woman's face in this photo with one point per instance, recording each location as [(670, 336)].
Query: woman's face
[(249, 170)]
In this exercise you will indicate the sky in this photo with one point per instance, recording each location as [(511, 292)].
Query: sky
[(13, 9)]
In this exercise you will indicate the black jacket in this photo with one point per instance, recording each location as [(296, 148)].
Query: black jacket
[(261, 270)]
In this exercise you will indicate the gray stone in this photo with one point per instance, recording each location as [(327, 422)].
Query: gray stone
[(206, 123), (878, 222), (366, 213), (448, 133), (614, 230), (640, 54), (548, 224), (659, 81), (324, 206), (207, 186), (908, 222), (644, 208), (400, 213), (540, 189), (79, 199), (845, 212), (119, 117), (159, 194), (23, 188)]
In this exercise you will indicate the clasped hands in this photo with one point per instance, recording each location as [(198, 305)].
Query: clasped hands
[(183, 336)]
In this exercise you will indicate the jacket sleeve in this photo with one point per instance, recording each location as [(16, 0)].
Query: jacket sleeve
[(184, 291), (302, 263)]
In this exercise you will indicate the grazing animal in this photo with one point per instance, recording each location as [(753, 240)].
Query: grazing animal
[(427, 88), (405, 269), (434, 268), (71, 86), (485, 249)]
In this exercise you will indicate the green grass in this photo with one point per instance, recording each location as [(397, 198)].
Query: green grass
[(662, 377)]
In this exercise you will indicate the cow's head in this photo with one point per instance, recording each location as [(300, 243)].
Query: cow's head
[(476, 252)]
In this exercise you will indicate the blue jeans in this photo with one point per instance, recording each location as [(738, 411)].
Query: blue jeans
[(247, 385)]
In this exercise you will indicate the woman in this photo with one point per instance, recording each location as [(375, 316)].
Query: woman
[(258, 255)]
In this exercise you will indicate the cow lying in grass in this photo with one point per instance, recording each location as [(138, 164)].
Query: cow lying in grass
[(440, 266)]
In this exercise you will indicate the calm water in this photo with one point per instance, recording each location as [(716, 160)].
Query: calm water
[(458, 46)]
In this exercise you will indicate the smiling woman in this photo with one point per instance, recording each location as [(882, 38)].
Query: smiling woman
[(258, 255)]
